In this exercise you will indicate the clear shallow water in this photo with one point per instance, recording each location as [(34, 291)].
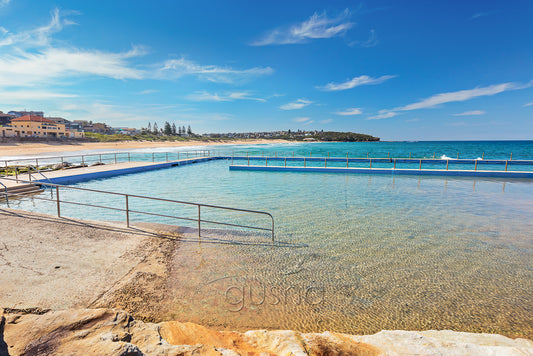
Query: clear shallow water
[(366, 252)]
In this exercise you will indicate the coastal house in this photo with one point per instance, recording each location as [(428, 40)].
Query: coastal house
[(37, 126)]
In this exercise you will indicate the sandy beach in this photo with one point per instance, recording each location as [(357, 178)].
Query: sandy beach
[(15, 149)]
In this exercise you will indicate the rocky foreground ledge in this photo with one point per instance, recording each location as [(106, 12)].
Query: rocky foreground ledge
[(115, 332)]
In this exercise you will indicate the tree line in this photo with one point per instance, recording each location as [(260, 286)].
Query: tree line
[(167, 130)]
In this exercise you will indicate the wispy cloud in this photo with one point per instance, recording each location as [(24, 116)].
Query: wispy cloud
[(382, 114), (176, 68), (348, 112), (147, 91), (4, 3), (456, 96), (327, 121), (32, 57), (301, 119), (16, 96), (318, 26), (370, 42), (298, 104), (39, 36), (471, 113), (479, 14), (355, 82), (528, 104), (231, 96), (461, 95)]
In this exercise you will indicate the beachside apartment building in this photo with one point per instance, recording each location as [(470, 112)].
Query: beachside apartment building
[(37, 126)]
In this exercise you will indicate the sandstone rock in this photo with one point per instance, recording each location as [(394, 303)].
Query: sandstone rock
[(115, 332)]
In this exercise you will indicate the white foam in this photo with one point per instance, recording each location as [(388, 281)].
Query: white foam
[(446, 157)]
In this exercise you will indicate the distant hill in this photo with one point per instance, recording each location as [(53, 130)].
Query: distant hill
[(344, 137)]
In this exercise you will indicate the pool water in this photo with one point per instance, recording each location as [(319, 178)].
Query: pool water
[(353, 253)]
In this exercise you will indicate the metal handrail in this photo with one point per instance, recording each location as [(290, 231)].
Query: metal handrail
[(187, 154), (38, 171), (5, 192), (127, 210)]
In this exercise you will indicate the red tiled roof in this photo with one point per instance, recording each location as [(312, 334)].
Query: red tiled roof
[(33, 118)]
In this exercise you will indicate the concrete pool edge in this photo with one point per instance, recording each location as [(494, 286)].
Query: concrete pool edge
[(388, 171), (111, 170)]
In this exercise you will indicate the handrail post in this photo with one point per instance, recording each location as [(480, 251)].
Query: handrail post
[(510, 159), (248, 160), (420, 168), (82, 160), (129, 158), (166, 156), (506, 165), (272, 228), (153, 156), (127, 212), (199, 216), (475, 166), (370, 162), (347, 161), (16, 174), (447, 163), (62, 163), (325, 162), (58, 202), (29, 173), (266, 161), (285, 161), (304, 163), (483, 155), (36, 163)]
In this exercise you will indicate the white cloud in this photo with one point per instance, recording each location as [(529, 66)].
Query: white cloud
[(23, 96), (205, 96), (318, 26), (327, 121), (450, 97), (470, 113), (370, 42), (147, 91), (479, 14), (298, 104), (461, 95), (32, 58), (176, 68), (355, 82), (528, 104), (36, 37), (301, 119), (382, 114), (28, 69), (4, 3), (351, 111)]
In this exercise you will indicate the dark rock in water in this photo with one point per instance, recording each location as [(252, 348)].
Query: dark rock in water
[(97, 164)]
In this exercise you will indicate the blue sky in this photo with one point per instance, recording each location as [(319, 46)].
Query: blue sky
[(400, 70)]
